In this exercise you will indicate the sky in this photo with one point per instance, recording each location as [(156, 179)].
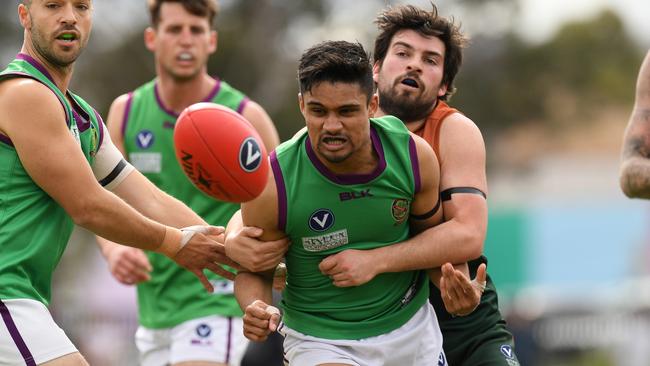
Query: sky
[(536, 20), (541, 18)]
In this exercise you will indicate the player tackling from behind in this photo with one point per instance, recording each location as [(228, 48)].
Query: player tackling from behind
[(417, 55), (179, 321), (58, 166)]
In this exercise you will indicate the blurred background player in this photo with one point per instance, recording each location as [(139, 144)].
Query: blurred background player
[(635, 164), (179, 321), (375, 180), (57, 165)]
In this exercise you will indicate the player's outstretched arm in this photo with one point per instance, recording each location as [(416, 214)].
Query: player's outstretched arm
[(635, 159), (53, 159), (128, 265)]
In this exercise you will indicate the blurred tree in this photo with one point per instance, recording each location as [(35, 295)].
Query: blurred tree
[(251, 56), (585, 68)]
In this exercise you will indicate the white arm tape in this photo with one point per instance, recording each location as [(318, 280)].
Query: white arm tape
[(188, 233), (109, 167)]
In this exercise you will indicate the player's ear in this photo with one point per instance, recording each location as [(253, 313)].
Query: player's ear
[(214, 38), (150, 39), (23, 15), (443, 90), (375, 71), (373, 105), (301, 103)]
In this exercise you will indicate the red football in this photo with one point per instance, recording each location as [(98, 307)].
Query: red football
[(220, 152)]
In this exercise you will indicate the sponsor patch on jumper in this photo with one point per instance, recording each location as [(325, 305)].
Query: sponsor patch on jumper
[(144, 139), (321, 220), (326, 241), (146, 162), (399, 210)]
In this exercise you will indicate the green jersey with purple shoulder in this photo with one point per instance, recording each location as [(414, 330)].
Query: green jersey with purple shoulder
[(34, 228), (174, 295), (324, 213)]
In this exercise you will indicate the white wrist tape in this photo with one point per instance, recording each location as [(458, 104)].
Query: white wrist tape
[(188, 233), (175, 239)]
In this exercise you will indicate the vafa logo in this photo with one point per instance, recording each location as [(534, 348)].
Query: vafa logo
[(144, 139), (321, 220)]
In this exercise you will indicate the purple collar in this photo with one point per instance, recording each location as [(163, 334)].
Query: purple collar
[(350, 179)]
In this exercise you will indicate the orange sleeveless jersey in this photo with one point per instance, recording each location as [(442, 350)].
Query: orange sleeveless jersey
[(430, 130)]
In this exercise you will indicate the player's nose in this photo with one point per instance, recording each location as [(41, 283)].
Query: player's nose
[(67, 14)]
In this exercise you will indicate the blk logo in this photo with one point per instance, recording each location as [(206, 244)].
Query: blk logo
[(203, 330), (144, 139), (250, 155), (321, 220), (346, 196)]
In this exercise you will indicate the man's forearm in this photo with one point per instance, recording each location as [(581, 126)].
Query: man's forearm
[(449, 242), (251, 286)]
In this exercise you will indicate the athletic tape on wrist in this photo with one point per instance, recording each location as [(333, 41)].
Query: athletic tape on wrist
[(173, 242)]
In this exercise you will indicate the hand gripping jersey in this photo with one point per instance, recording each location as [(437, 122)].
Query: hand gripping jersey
[(324, 213), (174, 295), (34, 229)]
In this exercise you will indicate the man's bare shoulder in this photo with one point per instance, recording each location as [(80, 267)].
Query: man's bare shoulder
[(25, 98), (23, 90), (460, 132), (458, 123)]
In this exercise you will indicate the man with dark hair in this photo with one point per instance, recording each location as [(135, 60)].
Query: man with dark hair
[(346, 181), (635, 164), (417, 56), (58, 166), (179, 321)]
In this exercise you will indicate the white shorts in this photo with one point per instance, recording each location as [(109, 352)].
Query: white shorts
[(29, 335), (213, 338), (418, 342)]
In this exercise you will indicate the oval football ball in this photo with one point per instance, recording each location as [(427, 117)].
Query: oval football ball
[(221, 152)]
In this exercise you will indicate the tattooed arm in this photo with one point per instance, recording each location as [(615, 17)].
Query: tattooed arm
[(635, 164)]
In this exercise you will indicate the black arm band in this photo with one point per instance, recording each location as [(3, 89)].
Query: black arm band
[(114, 173), (426, 215), (446, 194)]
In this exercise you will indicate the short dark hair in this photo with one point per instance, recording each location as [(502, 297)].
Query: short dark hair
[(427, 23), (203, 8), (336, 61)]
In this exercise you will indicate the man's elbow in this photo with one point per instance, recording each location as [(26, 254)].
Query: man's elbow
[(625, 182), (85, 213), (474, 240)]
